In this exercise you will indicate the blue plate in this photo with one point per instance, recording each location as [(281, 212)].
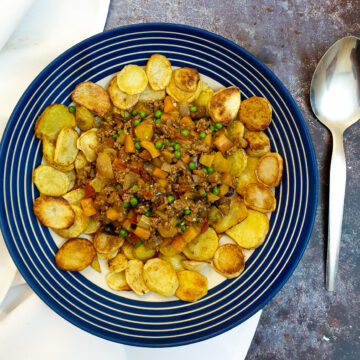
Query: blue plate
[(171, 323)]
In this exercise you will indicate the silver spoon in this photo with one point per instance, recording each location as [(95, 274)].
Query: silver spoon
[(335, 100)]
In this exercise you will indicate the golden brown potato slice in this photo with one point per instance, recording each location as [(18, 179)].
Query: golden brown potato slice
[(175, 261), (85, 120), (180, 95), (87, 143), (118, 263), (92, 227), (132, 79), (75, 255), (255, 113), (237, 213), (78, 227), (251, 232), (48, 148), (134, 276), (238, 162), (128, 250), (204, 97), (258, 143), (159, 71), (235, 130), (105, 243), (74, 196), (168, 250), (194, 265), (186, 79), (62, 168), (54, 212), (107, 256), (50, 181), (269, 169), (259, 197), (72, 178), (229, 260), (54, 118), (120, 99), (142, 253), (80, 161), (117, 281), (224, 104), (192, 286), (160, 277), (247, 176), (95, 264), (203, 247), (66, 149), (93, 97), (151, 95)]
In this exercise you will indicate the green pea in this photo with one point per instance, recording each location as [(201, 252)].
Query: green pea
[(170, 199), (178, 222), (71, 109), (218, 126), (172, 144), (123, 232), (157, 121), (205, 170), (159, 144), (166, 142), (187, 211), (215, 190), (193, 109), (137, 122), (134, 201), (177, 146), (177, 154), (211, 127), (118, 187), (120, 131), (126, 205), (135, 187), (115, 136), (148, 213), (183, 228), (192, 165), (158, 114), (134, 113), (210, 170), (185, 132), (204, 194), (137, 139), (213, 218), (202, 135), (139, 243), (142, 114), (137, 146)]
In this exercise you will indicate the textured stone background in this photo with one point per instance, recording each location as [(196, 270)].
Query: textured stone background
[(303, 321)]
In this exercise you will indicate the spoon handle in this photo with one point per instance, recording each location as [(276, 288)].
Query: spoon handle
[(336, 206)]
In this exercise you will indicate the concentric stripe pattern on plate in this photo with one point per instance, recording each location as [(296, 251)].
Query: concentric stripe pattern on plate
[(139, 322)]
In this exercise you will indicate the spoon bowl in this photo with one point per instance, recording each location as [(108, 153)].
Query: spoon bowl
[(335, 101)]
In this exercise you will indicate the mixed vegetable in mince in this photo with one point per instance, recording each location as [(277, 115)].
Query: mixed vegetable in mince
[(154, 170)]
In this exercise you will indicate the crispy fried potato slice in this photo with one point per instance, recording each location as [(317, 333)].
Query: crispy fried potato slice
[(258, 143), (238, 162), (229, 260), (54, 212), (132, 79), (93, 97), (128, 250), (48, 148), (142, 253), (75, 255), (85, 120), (50, 181), (159, 71), (168, 250), (74, 196), (224, 104), (255, 112), (120, 99), (118, 263), (248, 175), (92, 227), (204, 97), (105, 243), (203, 247), (80, 161), (95, 264), (251, 232), (78, 227), (269, 169), (117, 281), (62, 168), (87, 143), (186, 79), (235, 130), (66, 149), (259, 197), (134, 276), (194, 265), (160, 277), (54, 118), (180, 95), (107, 256), (151, 95), (237, 213), (192, 286), (175, 261), (72, 178)]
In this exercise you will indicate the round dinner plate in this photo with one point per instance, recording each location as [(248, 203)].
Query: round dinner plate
[(134, 321)]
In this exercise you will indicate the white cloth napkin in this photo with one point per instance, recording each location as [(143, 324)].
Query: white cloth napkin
[(48, 28)]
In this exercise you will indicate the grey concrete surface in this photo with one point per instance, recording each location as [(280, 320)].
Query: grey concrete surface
[(303, 321)]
